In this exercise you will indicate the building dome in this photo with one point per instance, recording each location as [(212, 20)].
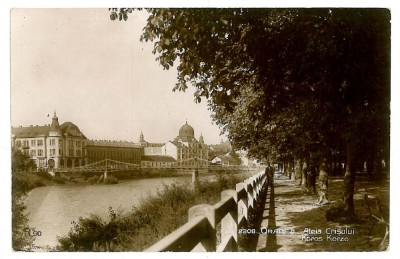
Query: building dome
[(186, 132)]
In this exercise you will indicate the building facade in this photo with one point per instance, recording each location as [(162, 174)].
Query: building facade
[(150, 149), (122, 151), (65, 146), (52, 146), (156, 161), (186, 149), (229, 159)]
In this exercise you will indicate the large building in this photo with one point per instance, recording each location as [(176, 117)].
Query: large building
[(150, 149), (52, 146), (122, 151), (186, 149), (65, 146)]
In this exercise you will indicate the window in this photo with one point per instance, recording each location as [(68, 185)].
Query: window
[(52, 152), (60, 152), (33, 152), (26, 143), (78, 153), (52, 142), (70, 143), (40, 142), (70, 151), (40, 151), (60, 142), (78, 144), (33, 143)]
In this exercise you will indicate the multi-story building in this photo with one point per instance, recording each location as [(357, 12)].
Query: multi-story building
[(122, 151), (186, 150), (150, 149), (52, 146), (65, 146)]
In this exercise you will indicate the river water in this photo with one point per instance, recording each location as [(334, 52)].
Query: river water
[(52, 208)]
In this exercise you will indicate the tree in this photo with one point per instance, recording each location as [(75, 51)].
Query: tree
[(21, 239), (285, 83), (21, 162)]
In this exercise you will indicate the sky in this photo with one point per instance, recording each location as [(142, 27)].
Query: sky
[(97, 74)]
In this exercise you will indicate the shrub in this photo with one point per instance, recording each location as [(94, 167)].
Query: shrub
[(110, 180), (23, 182), (155, 217), (94, 179), (90, 234), (20, 239), (45, 175), (58, 179)]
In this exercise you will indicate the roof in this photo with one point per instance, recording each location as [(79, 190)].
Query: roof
[(70, 129), (109, 143), (230, 157), (30, 132), (186, 131), (158, 158), (222, 147), (67, 128), (155, 144)]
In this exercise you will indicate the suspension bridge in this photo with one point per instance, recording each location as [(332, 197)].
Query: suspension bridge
[(111, 165)]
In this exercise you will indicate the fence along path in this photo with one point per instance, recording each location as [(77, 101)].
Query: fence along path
[(215, 227)]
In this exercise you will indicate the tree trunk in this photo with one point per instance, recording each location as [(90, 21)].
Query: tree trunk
[(298, 171), (370, 166), (349, 179), (304, 175), (323, 183), (293, 174)]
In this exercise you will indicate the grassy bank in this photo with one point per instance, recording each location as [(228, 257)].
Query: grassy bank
[(155, 217), (23, 182)]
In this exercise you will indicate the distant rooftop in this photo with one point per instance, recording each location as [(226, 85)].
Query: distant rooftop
[(111, 143), (67, 128), (157, 158)]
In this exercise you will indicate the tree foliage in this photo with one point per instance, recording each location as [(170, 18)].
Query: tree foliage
[(21, 162), (285, 83), (290, 78), (90, 234)]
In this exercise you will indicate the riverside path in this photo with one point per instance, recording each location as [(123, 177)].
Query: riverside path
[(292, 217)]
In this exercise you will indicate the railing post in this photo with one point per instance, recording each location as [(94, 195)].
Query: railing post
[(229, 224), (195, 180), (258, 187), (209, 242), (249, 189), (243, 211), (254, 186), (242, 204)]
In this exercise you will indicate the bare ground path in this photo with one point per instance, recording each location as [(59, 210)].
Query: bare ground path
[(300, 224)]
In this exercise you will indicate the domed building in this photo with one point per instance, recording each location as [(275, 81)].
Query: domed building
[(186, 133), (186, 150)]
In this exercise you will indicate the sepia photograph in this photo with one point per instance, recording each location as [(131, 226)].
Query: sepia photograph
[(200, 129)]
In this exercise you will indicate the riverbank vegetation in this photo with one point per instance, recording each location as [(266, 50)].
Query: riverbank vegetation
[(22, 183), (24, 178), (155, 217)]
